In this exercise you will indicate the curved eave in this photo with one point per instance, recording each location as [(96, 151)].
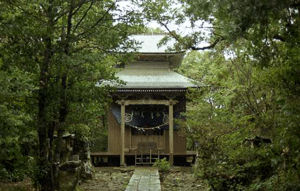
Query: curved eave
[(174, 58), (162, 53), (149, 79), (152, 90)]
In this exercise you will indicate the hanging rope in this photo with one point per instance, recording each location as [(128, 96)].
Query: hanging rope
[(148, 128)]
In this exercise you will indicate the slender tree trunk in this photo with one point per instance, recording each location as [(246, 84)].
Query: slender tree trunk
[(63, 110), (44, 177), (42, 121), (50, 155), (61, 127)]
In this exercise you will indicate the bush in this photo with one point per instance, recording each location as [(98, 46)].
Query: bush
[(163, 165), (246, 168), (13, 164)]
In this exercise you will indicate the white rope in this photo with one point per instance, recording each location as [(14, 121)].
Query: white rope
[(148, 128)]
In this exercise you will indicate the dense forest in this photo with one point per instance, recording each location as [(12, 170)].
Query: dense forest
[(243, 119)]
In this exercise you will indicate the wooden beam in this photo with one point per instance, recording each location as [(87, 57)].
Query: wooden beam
[(146, 102), (171, 145), (122, 158)]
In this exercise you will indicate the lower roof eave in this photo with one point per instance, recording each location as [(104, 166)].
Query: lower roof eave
[(150, 90)]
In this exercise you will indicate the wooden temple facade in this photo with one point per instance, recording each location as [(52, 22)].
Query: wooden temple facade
[(141, 119)]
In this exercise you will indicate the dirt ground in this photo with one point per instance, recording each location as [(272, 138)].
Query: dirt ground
[(26, 185), (108, 179), (182, 178), (116, 179)]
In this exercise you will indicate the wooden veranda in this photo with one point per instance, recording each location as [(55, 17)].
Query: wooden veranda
[(113, 159)]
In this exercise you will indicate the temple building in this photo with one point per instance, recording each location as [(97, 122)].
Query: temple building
[(141, 119)]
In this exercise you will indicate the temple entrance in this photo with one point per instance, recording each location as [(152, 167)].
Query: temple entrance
[(147, 136)]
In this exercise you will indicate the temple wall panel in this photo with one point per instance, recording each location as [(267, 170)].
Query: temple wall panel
[(127, 137), (179, 142), (114, 135), (158, 139)]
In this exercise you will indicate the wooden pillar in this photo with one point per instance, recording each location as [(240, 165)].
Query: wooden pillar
[(171, 145), (122, 158)]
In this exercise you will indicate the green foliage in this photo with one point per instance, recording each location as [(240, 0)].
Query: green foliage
[(151, 30), (163, 165), (17, 137), (237, 104), (53, 53), (250, 88)]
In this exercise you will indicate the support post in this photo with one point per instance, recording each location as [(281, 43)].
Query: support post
[(122, 158), (171, 146)]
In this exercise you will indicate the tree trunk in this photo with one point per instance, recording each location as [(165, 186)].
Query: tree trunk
[(63, 110), (43, 175), (50, 155)]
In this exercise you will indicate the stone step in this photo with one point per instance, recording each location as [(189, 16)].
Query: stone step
[(144, 179)]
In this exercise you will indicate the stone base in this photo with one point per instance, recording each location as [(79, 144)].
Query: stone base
[(87, 170), (69, 175)]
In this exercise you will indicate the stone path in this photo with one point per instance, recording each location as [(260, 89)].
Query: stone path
[(144, 179)]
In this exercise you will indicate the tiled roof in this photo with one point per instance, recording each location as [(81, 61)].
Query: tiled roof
[(149, 43), (153, 70), (156, 75)]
